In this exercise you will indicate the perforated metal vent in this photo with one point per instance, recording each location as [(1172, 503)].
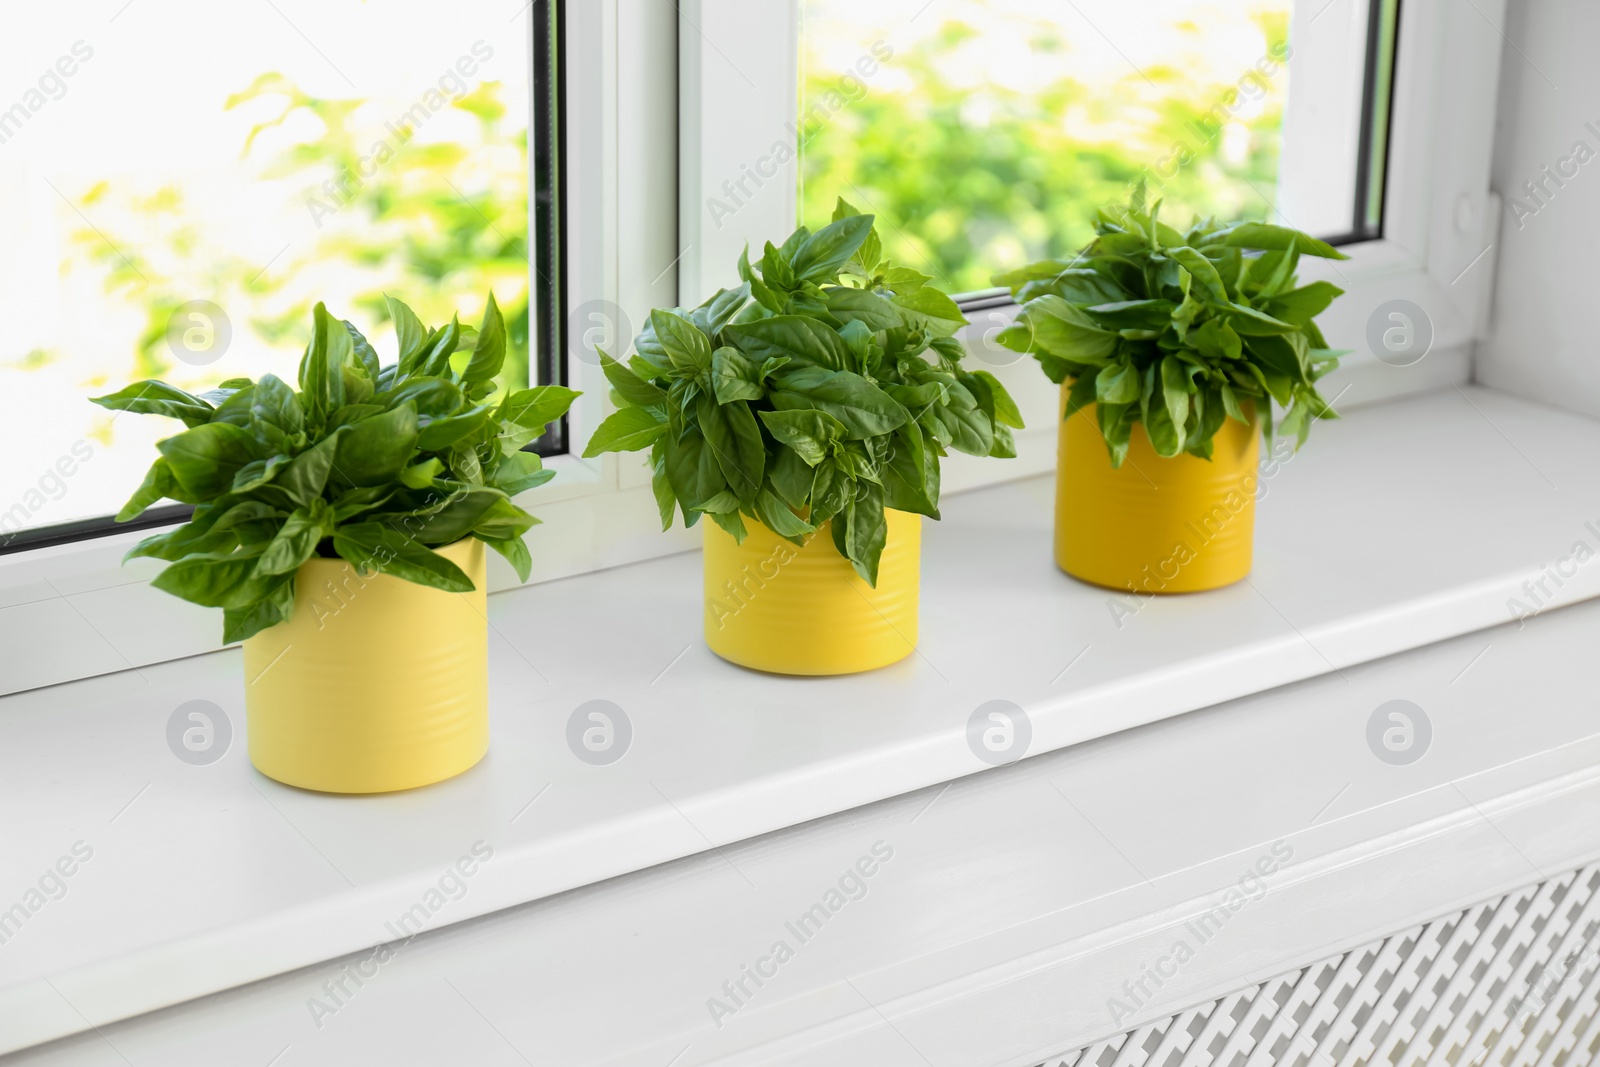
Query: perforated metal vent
[(1514, 982)]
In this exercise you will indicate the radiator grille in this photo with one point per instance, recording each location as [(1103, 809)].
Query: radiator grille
[(1514, 982)]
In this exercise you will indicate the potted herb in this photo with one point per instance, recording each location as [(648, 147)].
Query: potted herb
[(805, 413), (1171, 348), (341, 529)]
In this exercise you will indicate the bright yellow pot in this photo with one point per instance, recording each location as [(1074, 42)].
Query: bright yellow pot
[(777, 607), (1155, 525), (374, 683)]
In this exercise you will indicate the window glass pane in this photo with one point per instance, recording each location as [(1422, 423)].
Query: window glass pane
[(986, 133), (181, 181), (1383, 36)]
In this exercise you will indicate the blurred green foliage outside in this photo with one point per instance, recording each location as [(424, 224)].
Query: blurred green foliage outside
[(438, 224), (967, 182)]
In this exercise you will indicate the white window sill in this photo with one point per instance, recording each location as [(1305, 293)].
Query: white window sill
[(1406, 524), (1014, 904)]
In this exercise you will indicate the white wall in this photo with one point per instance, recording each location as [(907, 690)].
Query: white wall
[(1542, 342)]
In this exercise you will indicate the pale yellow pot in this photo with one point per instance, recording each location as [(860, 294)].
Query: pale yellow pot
[(373, 684), (777, 607), (1155, 525)]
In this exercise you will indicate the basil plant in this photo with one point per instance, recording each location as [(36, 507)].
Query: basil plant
[(374, 464), (823, 390), (1180, 330)]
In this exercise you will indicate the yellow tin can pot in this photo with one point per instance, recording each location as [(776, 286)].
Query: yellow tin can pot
[(774, 606), (1155, 524), (374, 683)]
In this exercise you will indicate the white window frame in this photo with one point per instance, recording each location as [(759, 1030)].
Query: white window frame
[(658, 118)]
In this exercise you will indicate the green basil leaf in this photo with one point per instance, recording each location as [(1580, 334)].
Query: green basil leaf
[(216, 580), (1295, 423), (375, 450), (1082, 393), (776, 266), (1263, 237), (905, 474), (1081, 286), (790, 477), (863, 408), (734, 376), (421, 475), (1253, 323), (1217, 340), (1134, 314), (489, 350), (1230, 404), (821, 254), (731, 522), (971, 431), (409, 333), (687, 349), (1116, 426), (869, 255), (731, 433), (1268, 274), (1005, 445), (351, 414), (1042, 270), (1300, 306), (432, 397), (794, 337), (630, 386), (999, 404), (354, 502), (904, 279), (1279, 356), (536, 408), (1117, 383), (930, 310), (520, 472), (158, 398), (277, 604), (158, 484), (322, 367), (724, 503), (694, 473), (1049, 324), (374, 546), (917, 398), (439, 435), (233, 515), (365, 358), (274, 403), (295, 543), (1208, 284), (204, 460), (1175, 388), (258, 472), (763, 295), (303, 480), (463, 462), (503, 521), (806, 431), (661, 485), (863, 306), (189, 539), (778, 517), (436, 355), (515, 551), (868, 533), (626, 430), (718, 311), (1166, 436)]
